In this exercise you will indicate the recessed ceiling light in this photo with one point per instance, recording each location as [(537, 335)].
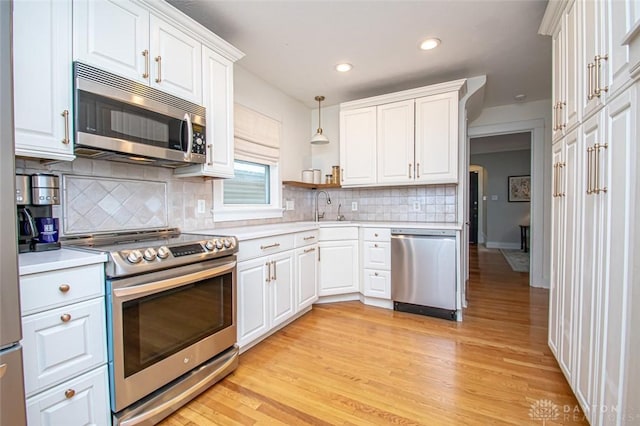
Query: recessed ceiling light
[(344, 67), (521, 97), (430, 43)]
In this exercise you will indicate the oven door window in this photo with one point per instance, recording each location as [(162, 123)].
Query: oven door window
[(111, 118), (157, 326)]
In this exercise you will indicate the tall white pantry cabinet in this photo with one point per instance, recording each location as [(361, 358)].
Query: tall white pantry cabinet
[(595, 290)]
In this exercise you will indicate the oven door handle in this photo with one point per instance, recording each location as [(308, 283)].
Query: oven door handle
[(187, 119), (158, 286)]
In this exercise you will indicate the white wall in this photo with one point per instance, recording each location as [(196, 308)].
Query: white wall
[(508, 116), (295, 149)]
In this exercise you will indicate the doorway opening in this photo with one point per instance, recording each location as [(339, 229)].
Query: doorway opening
[(500, 196)]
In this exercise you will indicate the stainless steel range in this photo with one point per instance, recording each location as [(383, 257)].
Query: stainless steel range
[(171, 318)]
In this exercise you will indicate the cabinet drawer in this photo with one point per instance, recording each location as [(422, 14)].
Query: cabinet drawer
[(339, 233), (46, 290), (377, 255), (377, 284), (376, 234), (251, 249), (62, 343), (81, 401), (306, 238)]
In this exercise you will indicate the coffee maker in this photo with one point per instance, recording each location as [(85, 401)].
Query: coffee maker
[(35, 196)]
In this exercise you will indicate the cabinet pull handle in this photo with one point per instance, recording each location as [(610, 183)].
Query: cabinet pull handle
[(589, 151), (145, 54), (69, 393), (159, 61), (598, 90), (555, 180), (375, 245), (375, 235), (65, 317), (275, 274), (417, 170), (268, 265), (270, 246), (561, 124), (555, 118), (561, 179), (375, 273), (66, 139), (64, 288), (342, 175), (310, 250), (409, 170), (311, 237), (597, 147), (590, 81), (210, 149), (318, 254)]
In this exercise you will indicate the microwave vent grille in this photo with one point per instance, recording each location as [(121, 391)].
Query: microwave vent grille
[(96, 75)]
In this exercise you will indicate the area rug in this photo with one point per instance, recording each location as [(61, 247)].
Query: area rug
[(517, 259)]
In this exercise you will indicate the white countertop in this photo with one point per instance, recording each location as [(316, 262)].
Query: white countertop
[(44, 261), (260, 231)]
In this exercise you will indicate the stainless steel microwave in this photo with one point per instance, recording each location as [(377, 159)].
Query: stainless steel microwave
[(123, 120)]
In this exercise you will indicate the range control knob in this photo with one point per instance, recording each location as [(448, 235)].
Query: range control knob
[(134, 256), (199, 141), (149, 254), (226, 242), (163, 252), (218, 243), (209, 245)]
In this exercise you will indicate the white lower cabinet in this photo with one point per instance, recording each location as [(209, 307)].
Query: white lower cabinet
[(307, 276), (273, 288), (376, 261), (64, 347), (377, 283), (338, 269), (80, 401)]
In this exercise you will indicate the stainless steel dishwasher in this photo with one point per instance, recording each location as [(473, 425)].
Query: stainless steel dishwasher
[(423, 272)]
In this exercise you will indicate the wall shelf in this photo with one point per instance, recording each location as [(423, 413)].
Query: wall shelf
[(311, 185)]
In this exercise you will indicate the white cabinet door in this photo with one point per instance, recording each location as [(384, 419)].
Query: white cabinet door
[(557, 235), (377, 255), (377, 283), (396, 142), (569, 195), (307, 276), (358, 146), (253, 279), (621, 178), (618, 24), (559, 74), (437, 139), (42, 79), (113, 36), (176, 61), (282, 288), (591, 14), (338, 267), (592, 260), (217, 92), (570, 109), (63, 342), (77, 402)]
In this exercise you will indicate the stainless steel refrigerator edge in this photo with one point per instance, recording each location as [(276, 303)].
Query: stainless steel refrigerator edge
[(12, 404)]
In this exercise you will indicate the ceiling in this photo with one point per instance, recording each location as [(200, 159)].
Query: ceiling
[(294, 45)]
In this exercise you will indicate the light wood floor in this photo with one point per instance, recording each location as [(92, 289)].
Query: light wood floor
[(347, 363)]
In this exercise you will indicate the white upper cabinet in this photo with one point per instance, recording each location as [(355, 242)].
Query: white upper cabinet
[(42, 72), (123, 37), (113, 36), (357, 146), (217, 90), (176, 61), (396, 142), (437, 139), (402, 138)]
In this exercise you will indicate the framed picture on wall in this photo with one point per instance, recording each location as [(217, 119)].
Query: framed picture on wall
[(519, 189)]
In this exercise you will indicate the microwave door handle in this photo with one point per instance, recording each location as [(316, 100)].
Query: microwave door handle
[(187, 119)]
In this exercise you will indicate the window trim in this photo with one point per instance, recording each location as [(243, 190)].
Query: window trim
[(226, 213)]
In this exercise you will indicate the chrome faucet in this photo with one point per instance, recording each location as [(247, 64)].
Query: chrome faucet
[(317, 216), (340, 217)]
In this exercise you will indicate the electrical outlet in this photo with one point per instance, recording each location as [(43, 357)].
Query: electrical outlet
[(289, 205), (494, 198), (354, 206), (201, 207), (416, 206)]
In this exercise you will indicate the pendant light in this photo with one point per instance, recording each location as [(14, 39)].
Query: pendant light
[(319, 138)]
